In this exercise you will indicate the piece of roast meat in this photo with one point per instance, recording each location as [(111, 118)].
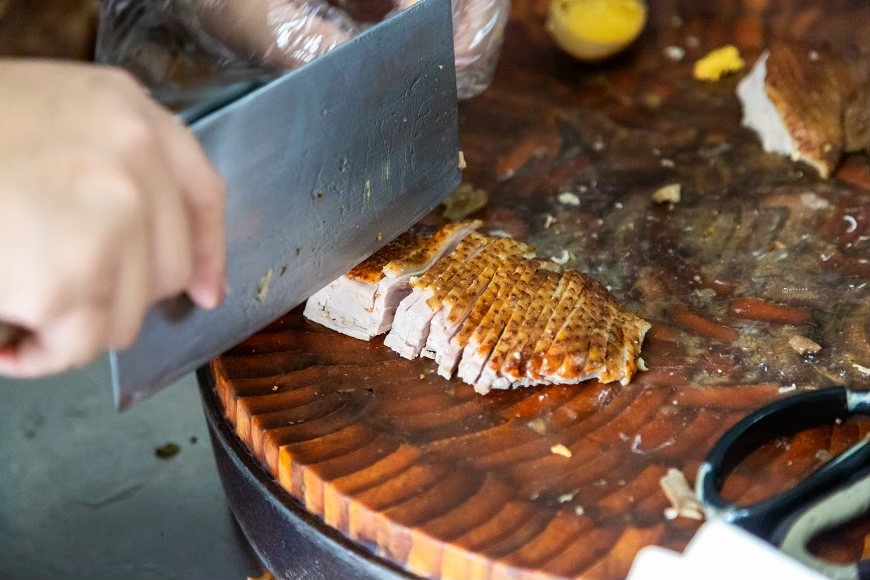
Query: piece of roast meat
[(363, 302)]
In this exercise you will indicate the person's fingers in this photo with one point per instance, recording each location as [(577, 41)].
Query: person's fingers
[(204, 195), (305, 30), (71, 341), (477, 25), (165, 235), (135, 286)]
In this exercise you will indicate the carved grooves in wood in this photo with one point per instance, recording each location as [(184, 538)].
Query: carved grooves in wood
[(436, 478)]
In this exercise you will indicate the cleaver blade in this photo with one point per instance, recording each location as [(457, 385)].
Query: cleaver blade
[(323, 167)]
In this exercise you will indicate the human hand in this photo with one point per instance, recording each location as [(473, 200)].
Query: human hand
[(288, 33), (107, 204)]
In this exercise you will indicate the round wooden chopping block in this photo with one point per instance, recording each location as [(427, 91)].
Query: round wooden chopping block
[(449, 484)]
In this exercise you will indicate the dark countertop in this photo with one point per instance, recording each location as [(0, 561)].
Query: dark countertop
[(84, 495)]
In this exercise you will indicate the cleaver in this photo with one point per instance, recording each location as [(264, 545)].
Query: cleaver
[(324, 165)]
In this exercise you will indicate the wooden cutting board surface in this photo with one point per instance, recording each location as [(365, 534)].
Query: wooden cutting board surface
[(449, 484)]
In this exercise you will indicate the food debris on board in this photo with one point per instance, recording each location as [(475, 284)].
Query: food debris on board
[(167, 451), (263, 285), (560, 449), (803, 345), (808, 109), (675, 53), (485, 308), (464, 201), (569, 198), (667, 194), (719, 63), (563, 258), (684, 502), (593, 30), (462, 164)]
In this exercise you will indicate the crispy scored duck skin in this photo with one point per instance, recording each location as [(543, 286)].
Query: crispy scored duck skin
[(363, 302), (486, 309), (414, 314)]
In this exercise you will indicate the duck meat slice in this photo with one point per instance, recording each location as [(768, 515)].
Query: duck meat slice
[(601, 322), (491, 376), (482, 342), (808, 103), (538, 359), (467, 289), (363, 302), (536, 317), (414, 314)]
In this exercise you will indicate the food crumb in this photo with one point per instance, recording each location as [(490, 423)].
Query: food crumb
[(667, 194), (804, 345), (566, 497), (167, 451), (667, 163), (548, 221), (562, 259), (462, 164), (579, 510), (861, 369), (787, 389), (568, 198), (193, 440), (719, 63), (675, 53), (853, 223), (464, 201), (422, 376), (379, 237), (824, 455), (263, 286), (683, 500), (275, 388), (560, 450), (538, 426)]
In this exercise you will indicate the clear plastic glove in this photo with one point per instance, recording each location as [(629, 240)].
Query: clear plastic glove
[(107, 204), (239, 35)]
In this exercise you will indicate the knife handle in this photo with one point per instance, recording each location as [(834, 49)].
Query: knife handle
[(11, 335)]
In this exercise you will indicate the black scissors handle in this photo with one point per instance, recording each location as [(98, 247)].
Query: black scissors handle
[(778, 419)]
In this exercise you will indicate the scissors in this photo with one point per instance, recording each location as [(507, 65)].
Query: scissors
[(836, 493)]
